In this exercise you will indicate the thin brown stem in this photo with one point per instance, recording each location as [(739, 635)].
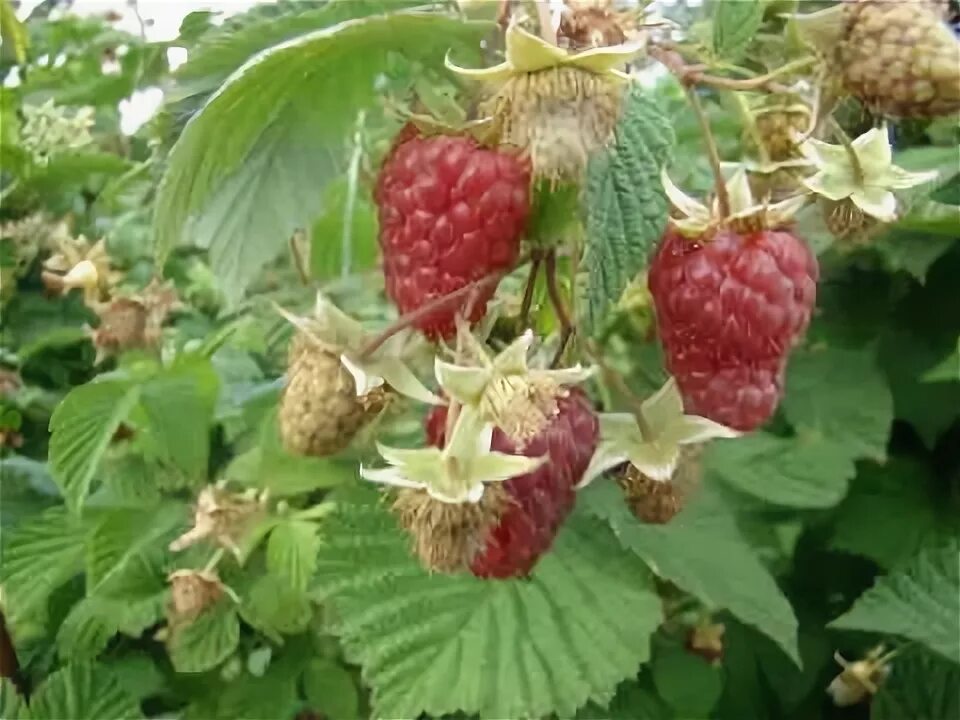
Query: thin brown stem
[(556, 300), (723, 199), (535, 261), (441, 303)]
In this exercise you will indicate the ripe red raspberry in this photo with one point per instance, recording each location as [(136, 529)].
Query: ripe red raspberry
[(451, 212), (729, 309), (539, 501)]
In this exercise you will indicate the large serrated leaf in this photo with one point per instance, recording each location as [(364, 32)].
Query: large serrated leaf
[(921, 685), (920, 601), (735, 22), (207, 641), (330, 689), (120, 535), (702, 552), (81, 429), (223, 50), (892, 511), (12, 704), (242, 194), (38, 557), (179, 405), (626, 205), (844, 396), (519, 648), (801, 473), (82, 691), (86, 630)]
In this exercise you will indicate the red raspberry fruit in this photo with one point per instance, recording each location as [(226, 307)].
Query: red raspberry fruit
[(539, 501), (451, 212), (729, 309)]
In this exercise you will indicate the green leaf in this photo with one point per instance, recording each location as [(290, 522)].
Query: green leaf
[(921, 685), (906, 356), (633, 701), (516, 648), (82, 691), (12, 704), (912, 251), (626, 205), (16, 40), (702, 552), (292, 552), (242, 194), (38, 557), (272, 468), (689, 684), (946, 371), (892, 511), (179, 405), (207, 641), (86, 630), (81, 429), (223, 50), (275, 607), (805, 472), (734, 26), (330, 689), (843, 395), (949, 192), (121, 535), (919, 600), (138, 673), (326, 242)]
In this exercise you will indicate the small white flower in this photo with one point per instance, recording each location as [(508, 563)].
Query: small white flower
[(457, 473), (871, 187), (657, 453)]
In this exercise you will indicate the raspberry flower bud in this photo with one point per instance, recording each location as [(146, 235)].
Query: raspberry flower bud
[(863, 175), (558, 107)]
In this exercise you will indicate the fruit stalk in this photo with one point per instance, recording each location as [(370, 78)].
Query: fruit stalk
[(694, 75), (563, 317), (723, 198), (433, 306), (535, 261)]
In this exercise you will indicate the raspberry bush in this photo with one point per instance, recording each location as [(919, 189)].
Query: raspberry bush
[(599, 360)]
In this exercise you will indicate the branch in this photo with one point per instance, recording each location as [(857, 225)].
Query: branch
[(695, 75), (723, 198), (435, 305)]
